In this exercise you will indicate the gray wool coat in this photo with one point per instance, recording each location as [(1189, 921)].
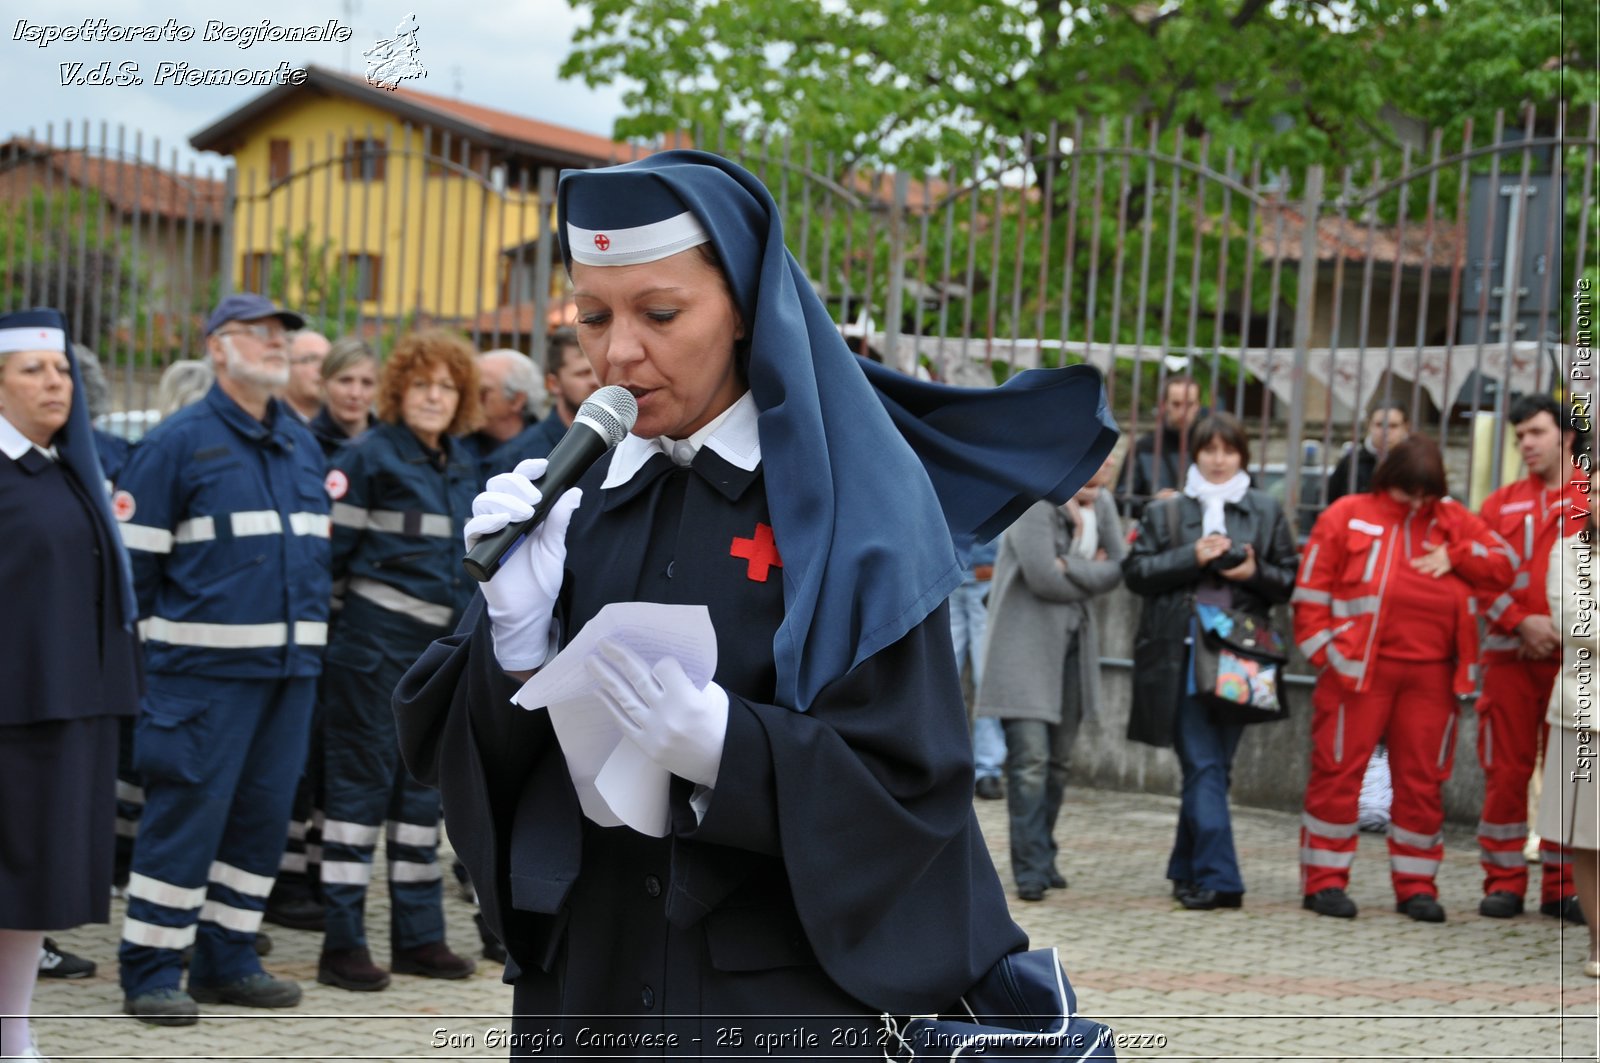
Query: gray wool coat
[(1036, 610)]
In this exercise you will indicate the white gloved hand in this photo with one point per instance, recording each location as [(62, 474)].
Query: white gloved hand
[(522, 596), (673, 722)]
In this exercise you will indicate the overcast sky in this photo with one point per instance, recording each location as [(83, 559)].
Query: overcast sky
[(498, 53)]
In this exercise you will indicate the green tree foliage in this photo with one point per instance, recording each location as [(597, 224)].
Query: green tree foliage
[(924, 82)]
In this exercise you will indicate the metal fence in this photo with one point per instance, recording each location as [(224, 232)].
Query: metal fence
[(1297, 299)]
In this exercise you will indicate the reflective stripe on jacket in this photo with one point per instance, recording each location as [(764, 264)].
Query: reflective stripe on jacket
[(1532, 519)]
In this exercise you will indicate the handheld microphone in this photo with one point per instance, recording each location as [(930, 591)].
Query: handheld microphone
[(601, 424)]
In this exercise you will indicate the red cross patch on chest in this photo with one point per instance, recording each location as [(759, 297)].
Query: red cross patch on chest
[(760, 551)]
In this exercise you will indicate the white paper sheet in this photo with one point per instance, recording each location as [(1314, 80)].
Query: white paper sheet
[(616, 783)]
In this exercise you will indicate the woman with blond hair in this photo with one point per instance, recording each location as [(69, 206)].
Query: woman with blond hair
[(401, 495)]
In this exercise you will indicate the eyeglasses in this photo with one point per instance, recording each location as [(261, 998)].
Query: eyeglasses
[(264, 333)]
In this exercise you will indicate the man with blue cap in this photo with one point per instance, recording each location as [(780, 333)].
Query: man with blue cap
[(822, 857), (226, 520)]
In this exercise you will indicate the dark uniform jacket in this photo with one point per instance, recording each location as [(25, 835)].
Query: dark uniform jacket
[(226, 523), (840, 840), (1163, 571), (67, 655), (398, 511)]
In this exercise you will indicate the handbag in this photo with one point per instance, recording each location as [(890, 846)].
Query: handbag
[(1238, 666), (1023, 1008), (1238, 659)]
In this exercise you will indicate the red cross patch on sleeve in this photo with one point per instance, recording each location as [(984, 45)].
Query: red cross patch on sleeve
[(760, 551), (337, 484), (122, 505)]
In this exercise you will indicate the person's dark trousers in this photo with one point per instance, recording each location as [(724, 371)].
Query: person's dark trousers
[(368, 789), (1037, 756), (130, 803), (219, 758), (299, 878), (1203, 851)]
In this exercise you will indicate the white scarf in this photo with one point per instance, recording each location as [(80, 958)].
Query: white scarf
[(1212, 497), (1087, 539)]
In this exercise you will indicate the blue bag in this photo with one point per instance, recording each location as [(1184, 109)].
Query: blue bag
[(1023, 1008)]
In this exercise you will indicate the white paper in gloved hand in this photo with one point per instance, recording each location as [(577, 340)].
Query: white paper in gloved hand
[(675, 723)]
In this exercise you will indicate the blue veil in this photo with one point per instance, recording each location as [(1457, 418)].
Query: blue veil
[(873, 478)]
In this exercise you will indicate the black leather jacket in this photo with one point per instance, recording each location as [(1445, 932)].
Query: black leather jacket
[(1164, 572)]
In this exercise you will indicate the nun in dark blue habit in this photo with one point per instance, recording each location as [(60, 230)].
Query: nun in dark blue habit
[(823, 864), (68, 659)]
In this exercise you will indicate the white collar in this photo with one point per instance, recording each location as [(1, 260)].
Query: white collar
[(732, 435), (14, 444)]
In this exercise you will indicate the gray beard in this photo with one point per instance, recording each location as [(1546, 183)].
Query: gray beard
[(245, 373)]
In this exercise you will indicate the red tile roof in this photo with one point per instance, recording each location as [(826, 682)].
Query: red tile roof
[(128, 186)]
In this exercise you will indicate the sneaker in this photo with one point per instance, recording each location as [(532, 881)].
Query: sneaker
[(351, 969), (989, 788), (1501, 904), (163, 1007), (433, 960), (259, 990), (55, 962), (1333, 902), (1567, 908), (1423, 907)]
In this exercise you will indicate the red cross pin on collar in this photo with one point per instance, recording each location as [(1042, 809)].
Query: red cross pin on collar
[(761, 553)]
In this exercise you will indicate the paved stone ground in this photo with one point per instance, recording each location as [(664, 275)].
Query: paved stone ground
[(1269, 982)]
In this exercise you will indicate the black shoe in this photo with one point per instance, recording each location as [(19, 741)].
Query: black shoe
[(1181, 887), (163, 1007), (492, 949), (469, 893), (263, 944), (351, 969), (259, 990), (1423, 907), (1567, 908), (1332, 901), (989, 788), (433, 960), (297, 912), (1501, 904), (1058, 881), (1030, 893), (1204, 900), (55, 962)]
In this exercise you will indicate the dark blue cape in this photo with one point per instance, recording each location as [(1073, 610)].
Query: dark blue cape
[(75, 443), (873, 478)]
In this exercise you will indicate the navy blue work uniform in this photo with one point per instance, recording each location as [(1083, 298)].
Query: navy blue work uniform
[(399, 507), (226, 522)]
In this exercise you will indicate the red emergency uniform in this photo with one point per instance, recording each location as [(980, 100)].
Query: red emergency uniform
[(1396, 650), (1511, 711)]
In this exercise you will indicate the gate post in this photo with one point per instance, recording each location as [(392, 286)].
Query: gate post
[(1305, 302), (230, 226), (897, 280), (541, 265)]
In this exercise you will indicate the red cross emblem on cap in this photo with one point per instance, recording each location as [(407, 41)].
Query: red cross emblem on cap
[(760, 551), (602, 241)]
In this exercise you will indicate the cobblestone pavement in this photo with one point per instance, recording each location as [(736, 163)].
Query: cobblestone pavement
[(1269, 982)]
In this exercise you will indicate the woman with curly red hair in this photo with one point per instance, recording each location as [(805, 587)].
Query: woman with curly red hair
[(401, 495)]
